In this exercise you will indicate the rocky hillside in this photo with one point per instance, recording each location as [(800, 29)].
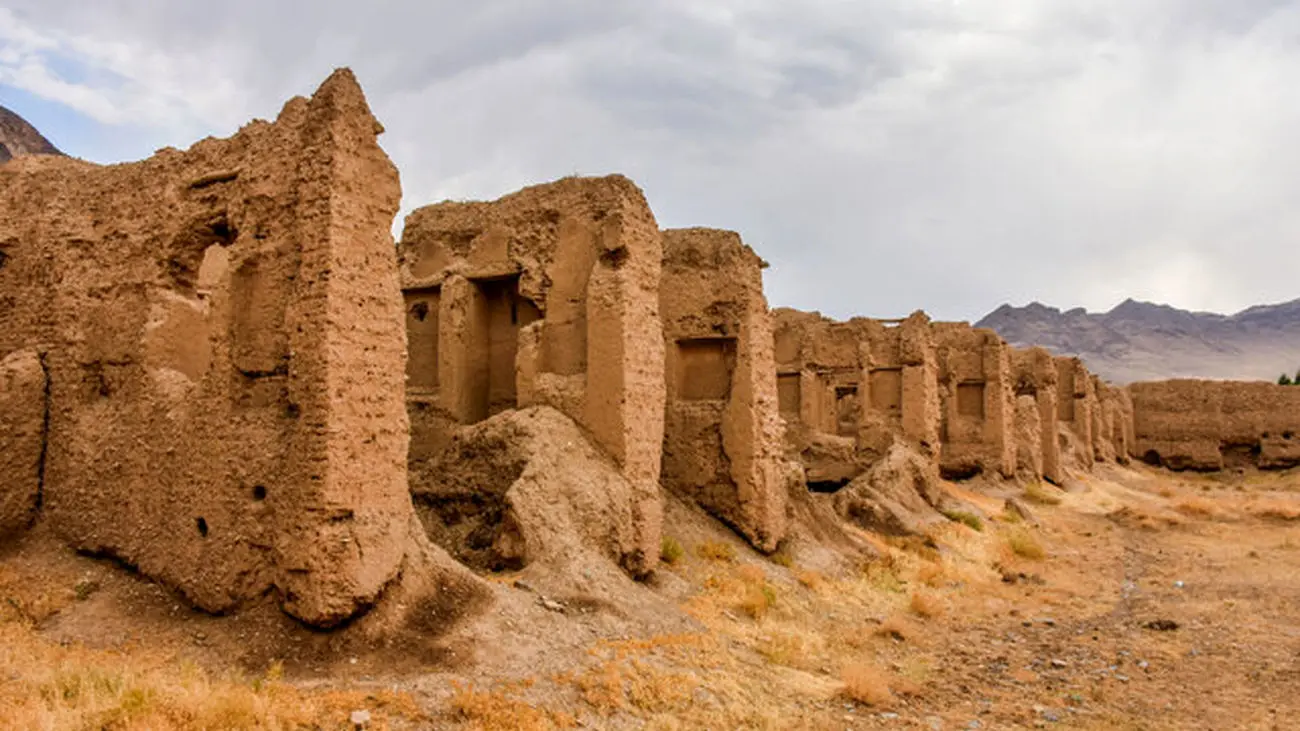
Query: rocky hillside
[(18, 138), (1140, 341)]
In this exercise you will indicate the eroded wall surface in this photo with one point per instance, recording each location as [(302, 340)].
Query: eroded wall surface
[(978, 406), (1034, 376), (222, 332), (722, 430), (548, 296), (1210, 425), (848, 389)]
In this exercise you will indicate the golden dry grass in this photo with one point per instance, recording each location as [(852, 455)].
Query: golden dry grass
[(1037, 492), (1198, 507), (866, 684), (495, 710), (925, 605), (896, 627), (54, 687), (716, 551), (1025, 544)]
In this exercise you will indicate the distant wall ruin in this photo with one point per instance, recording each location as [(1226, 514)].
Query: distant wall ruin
[(548, 296), (221, 329), (1035, 377), (1213, 425), (722, 431)]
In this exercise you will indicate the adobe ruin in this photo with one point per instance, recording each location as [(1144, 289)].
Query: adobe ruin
[(978, 407), (723, 440), (231, 442), (1034, 384), (548, 297), (849, 389), (1202, 425)]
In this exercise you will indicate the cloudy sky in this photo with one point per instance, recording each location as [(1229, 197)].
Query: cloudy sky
[(883, 155)]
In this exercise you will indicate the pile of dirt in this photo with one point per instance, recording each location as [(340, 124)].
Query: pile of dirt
[(527, 489), (902, 494)]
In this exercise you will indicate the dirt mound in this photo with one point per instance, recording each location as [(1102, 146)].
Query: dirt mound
[(527, 488), (902, 494)]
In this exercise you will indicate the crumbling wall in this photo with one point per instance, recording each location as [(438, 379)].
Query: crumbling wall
[(1076, 402), (978, 406), (246, 438), (1210, 425), (722, 429), (848, 389), (548, 296), (1034, 375)]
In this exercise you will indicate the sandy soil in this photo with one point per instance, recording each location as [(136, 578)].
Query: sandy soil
[(1138, 600)]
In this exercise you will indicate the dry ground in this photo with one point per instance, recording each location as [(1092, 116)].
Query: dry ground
[(1139, 600)]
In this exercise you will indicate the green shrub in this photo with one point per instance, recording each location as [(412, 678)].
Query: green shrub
[(970, 520), (670, 550)]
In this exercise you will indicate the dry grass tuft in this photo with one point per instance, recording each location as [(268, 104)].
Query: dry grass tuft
[(1025, 545), (926, 605), (810, 579), (50, 686), (897, 628), (866, 684), (968, 519), (1037, 492), (759, 596), (784, 555), (495, 711), (1198, 507), (932, 575), (670, 550), (716, 551)]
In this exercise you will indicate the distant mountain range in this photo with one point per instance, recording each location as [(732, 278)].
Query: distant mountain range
[(18, 138), (1141, 341)]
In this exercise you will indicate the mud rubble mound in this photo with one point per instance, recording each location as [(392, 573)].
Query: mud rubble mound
[(526, 488), (19, 138), (902, 494)]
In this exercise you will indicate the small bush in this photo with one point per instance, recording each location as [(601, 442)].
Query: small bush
[(1025, 545), (1039, 493), (970, 520), (866, 684), (670, 550), (1198, 507), (758, 599), (716, 551), (925, 605), (810, 579), (784, 555), (896, 628)]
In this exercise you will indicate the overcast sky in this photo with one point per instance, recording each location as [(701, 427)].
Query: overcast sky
[(883, 155)]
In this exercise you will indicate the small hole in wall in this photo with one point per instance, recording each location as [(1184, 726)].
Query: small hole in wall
[(259, 492), (203, 527), (1287, 435), (420, 310), (3, 258)]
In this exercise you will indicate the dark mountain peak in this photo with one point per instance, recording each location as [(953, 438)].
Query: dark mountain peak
[(1139, 340), (19, 138)]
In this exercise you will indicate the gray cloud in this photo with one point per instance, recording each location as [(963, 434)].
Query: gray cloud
[(887, 156)]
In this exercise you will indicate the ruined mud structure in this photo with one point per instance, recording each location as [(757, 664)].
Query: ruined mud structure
[(547, 297), (218, 368), (216, 331), (723, 438), (1213, 425)]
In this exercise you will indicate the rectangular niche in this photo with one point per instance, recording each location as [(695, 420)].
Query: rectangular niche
[(887, 390), (500, 315), (422, 339), (970, 400), (789, 392), (846, 409), (704, 368)]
